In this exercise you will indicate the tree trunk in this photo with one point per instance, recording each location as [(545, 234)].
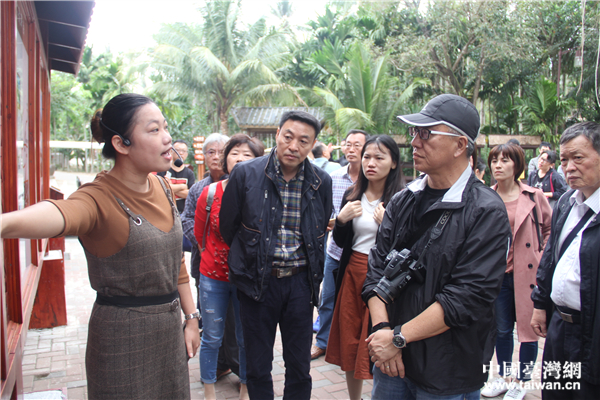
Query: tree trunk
[(478, 79), (223, 118)]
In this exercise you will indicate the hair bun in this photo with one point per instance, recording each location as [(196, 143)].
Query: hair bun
[(95, 127)]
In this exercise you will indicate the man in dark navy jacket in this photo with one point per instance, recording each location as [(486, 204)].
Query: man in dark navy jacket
[(568, 277), (274, 217)]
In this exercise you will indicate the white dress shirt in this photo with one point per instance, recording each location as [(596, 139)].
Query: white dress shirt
[(567, 275)]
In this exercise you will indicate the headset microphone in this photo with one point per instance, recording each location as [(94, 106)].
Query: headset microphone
[(178, 163)]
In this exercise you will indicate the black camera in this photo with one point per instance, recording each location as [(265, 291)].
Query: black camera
[(400, 269)]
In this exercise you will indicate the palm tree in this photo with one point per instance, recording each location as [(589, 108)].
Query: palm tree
[(219, 61), (362, 94), (542, 112), (104, 77)]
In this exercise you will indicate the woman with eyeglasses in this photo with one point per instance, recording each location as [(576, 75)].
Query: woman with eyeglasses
[(355, 231), (216, 292), (129, 227), (529, 215), (546, 178)]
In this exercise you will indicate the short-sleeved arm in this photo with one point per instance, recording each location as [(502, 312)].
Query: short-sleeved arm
[(80, 212)]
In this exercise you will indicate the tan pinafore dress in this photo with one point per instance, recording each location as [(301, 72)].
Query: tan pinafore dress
[(138, 352)]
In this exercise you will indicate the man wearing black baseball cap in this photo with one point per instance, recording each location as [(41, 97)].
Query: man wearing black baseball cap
[(433, 326)]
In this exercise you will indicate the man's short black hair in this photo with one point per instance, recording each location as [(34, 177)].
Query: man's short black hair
[(551, 156), (481, 165), (318, 149), (514, 141), (546, 144), (301, 116), (180, 141)]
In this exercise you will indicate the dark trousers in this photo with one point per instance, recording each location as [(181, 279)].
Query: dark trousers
[(563, 345), (287, 303)]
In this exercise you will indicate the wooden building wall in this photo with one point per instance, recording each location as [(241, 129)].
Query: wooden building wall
[(24, 179)]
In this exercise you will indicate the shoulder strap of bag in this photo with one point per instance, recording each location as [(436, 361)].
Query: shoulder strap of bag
[(537, 223), (574, 233), (551, 184), (212, 188)]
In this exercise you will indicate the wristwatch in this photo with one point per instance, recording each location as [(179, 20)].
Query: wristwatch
[(399, 340), (193, 315)]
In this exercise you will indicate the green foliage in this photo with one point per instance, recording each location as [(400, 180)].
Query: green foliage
[(542, 112), (216, 65), (363, 62), (362, 94)]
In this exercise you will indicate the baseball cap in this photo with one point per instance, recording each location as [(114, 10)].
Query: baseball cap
[(451, 110)]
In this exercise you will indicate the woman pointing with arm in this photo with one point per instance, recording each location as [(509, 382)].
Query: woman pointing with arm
[(130, 230)]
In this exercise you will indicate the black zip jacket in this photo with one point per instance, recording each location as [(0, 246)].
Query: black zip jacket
[(589, 258), (464, 269), (251, 212)]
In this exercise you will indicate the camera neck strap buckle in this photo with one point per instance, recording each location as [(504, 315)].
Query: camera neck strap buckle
[(436, 232)]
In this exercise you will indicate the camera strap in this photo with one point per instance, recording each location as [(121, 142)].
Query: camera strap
[(435, 233)]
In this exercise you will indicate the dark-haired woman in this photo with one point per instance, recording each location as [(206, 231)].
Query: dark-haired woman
[(130, 230), (355, 231), (215, 289), (529, 215), (547, 179)]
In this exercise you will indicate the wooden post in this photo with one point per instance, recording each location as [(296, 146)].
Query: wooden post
[(50, 306)]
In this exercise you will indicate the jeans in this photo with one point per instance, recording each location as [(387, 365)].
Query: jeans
[(287, 302), (327, 300), (216, 296), (393, 388), (505, 322)]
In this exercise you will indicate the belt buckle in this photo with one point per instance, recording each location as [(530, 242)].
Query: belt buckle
[(284, 272), (175, 304), (566, 317)]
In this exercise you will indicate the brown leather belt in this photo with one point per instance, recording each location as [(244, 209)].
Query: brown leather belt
[(569, 315), (285, 272)]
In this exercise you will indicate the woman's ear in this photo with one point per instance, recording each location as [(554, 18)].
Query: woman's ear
[(119, 145)]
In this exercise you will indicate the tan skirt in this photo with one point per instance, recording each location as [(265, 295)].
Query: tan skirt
[(349, 328)]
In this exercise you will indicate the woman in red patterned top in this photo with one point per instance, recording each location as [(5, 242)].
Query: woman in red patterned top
[(215, 289)]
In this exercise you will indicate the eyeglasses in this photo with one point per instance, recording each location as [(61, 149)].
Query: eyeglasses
[(357, 146), (424, 133), (212, 153)]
